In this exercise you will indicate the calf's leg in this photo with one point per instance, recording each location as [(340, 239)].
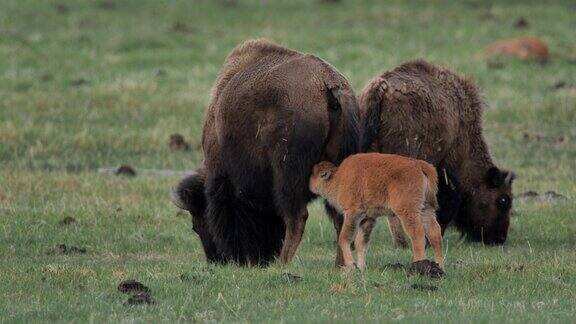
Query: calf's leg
[(347, 233), (412, 224), (362, 240), (434, 234)]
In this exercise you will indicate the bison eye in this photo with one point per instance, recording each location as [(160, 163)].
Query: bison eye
[(503, 202)]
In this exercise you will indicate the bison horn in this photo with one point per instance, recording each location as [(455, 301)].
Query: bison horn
[(508, 178)]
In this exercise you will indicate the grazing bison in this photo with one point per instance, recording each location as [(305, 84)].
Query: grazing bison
[(370, 185), (429, 113), (273, 114)]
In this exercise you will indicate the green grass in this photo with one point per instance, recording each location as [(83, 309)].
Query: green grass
[(54, 135)]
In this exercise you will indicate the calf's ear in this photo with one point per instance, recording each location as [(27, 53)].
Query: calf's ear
[(325, 174)]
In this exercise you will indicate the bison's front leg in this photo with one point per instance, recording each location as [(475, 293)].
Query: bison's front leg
[(295, 225)]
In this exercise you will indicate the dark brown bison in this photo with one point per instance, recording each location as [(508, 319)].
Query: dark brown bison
[(273, 114), (430, 113)]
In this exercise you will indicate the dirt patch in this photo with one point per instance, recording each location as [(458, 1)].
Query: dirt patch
[(524, 48), (515, 268), (423, 287), (561, 84), (180, 27), (63, 249), (528, 194), (547, 196), (106, 5), (539, 137), (553, 195), (125, 170), (46, 77), (61, 8), (178, 143), (291, 279), (427, 268), (67, 220), (521, 23), (132, 286), (141, 298), (79, 82)]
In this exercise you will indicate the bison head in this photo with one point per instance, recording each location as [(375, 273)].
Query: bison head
[(189, 196), (487, 208)]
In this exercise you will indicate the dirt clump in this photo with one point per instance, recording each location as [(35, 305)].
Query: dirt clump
[(141, 298), (126, 170), (68, 220), (61, 8), (524, 48), (423, 287), (428, 268), (63, 249), (132, 286), (79, 82), (180, 27), (521, 23), (178, 143)]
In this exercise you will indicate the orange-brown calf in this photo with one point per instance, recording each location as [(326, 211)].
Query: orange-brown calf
[(366, 186)]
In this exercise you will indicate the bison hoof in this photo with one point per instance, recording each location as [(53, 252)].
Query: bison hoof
[(428, 268)]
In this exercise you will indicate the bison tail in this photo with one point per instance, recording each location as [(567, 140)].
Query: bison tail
[(431, 183), (346, 102), (189, 194), (370, 102), (243, 232)]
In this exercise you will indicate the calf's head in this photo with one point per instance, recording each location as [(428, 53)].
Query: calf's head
[(321, 174), (488, 208)]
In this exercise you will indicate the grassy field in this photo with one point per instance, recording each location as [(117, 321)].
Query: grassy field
[(86, 84)]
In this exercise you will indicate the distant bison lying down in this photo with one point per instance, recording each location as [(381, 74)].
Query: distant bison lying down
[(429, 113), (370, 185), (272, 115)]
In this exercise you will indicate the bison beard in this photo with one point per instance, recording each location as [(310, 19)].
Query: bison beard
[(252, 189)]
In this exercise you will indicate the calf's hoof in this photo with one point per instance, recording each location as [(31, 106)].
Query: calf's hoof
[(428, 268)]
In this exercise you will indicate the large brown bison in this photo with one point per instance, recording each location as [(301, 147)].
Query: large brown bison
[(430, 113), (273, 114)]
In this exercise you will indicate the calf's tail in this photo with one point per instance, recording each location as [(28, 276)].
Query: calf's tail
[(431, 175)]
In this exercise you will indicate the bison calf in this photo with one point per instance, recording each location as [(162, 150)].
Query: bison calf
[(369, 185)]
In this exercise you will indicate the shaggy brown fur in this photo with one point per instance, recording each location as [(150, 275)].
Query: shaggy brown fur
[(429, 113), (273, 114), (366, 186)]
